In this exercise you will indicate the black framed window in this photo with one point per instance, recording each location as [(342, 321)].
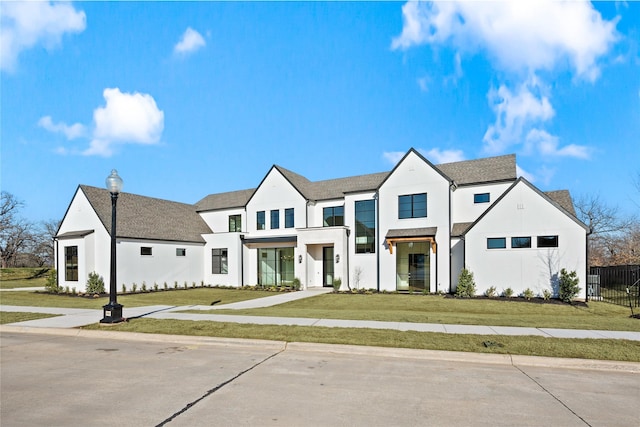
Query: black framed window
[(260, 222), (289, 218), (520, 242), (496, 243), (146, 250), (181, 252), (275, 219), (547, 241), (235, 223), (481, 198), (71, 263), (333, 216), (412, 206), (365, 226), (219, 261)]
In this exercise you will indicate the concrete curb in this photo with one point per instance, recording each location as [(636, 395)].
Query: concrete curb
[(450, 356)]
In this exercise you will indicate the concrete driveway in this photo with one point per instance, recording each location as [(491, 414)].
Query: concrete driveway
[(110, 378)]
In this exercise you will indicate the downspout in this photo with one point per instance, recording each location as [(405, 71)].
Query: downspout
[(586, 262), (57, 265), (452, 188), (241, 262), (348, 255)]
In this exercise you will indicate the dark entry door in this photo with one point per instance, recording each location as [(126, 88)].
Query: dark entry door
[(327, 266), (417, 271)]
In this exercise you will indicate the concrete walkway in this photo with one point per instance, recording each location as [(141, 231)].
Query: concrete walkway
[(73, 318)]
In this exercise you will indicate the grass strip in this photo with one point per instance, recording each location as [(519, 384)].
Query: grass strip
[(13, 317), (601, 349)]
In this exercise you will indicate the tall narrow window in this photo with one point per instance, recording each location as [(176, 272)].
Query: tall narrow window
[(412, 206), (289, 218), (235, 223), (275, 219), (219, 261), (365, 226), (71, 263), (547, 241), (333, 216), (520, 242), (260, 223)]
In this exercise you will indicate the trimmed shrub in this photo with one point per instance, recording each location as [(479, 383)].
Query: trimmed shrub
[(296, 284), (569, 288), (528, 294), (52, 282), (507, 293), (546, 294), (491, 292), (95, 284), (337, 282), (466, 285)]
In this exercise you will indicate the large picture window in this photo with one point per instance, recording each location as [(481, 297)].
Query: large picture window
[(333, 216), (71, 263), (219, 263), (365, 226), (412, 206), (235, 223), (289, 218)]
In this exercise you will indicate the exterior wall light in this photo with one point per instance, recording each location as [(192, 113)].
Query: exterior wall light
[(337, 258)]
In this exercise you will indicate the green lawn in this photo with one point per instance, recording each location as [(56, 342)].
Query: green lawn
[(12, 317), (621, 350), (438, 309), (197, 296), (11, 278)]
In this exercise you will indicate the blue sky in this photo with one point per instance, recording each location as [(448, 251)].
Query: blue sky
[(188, 99)]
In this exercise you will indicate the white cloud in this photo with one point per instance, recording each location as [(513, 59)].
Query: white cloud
[(518, 35), (74, 131), (393, 157), (423, 83), (515, 112), (26, 24), (190, 42), (547, 145), (437, 156), (126, 118), (523, 173)]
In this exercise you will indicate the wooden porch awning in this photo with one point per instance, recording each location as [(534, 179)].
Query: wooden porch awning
[(427, 234)]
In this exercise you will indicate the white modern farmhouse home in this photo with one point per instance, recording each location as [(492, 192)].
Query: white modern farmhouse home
[(411, 229)]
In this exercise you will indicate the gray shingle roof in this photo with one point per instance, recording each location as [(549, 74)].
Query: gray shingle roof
[(142, 217), (563, 198), (411, 232), (232, 199), (489, 169), (459, 228)]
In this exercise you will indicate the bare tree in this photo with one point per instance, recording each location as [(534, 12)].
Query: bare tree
[(42, 245)]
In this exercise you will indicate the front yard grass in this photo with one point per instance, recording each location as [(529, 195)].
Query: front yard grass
[(602, 349), (438, 309), (11, 278), (12, 317)]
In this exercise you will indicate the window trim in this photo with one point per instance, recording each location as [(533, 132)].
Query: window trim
[(144, 249), (181, 252), (553, 237), (237, 223), (480, 198), (496, 239), (261, 221), (274, 219), (70, 277), (521, 239), (414, 213), (223, 261), (333, 216), (289, 218), (362, 248)]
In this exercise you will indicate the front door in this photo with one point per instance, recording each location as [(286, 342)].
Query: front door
[(327, 266), (412, 266)]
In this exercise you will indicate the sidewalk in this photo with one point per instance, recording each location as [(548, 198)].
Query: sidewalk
[(73, 318)]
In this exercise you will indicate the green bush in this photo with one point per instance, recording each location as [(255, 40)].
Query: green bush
[(491, 292), (124, 288), (466, 285), (95, 283), (296, 284), (507, 293), (528, 294), (569, 288), (52, 282), (337, 282), (546, 294)]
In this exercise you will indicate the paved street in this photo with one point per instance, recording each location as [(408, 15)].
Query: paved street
[(96, 378)]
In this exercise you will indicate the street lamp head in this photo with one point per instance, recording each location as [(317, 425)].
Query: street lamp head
[(114, 182)]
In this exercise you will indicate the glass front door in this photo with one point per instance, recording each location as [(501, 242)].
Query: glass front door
[(327, 266), (413, 266), (275, 266)]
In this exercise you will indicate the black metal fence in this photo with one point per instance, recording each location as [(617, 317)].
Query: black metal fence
[(619, 284)]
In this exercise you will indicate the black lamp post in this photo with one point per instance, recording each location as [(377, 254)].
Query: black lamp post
[(113, 310)]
